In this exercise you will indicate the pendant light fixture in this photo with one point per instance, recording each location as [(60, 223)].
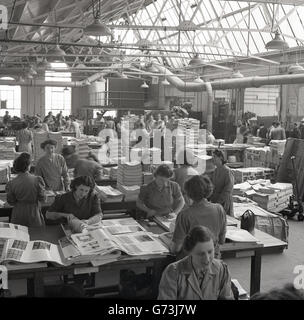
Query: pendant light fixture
[(237, 74), (295, 69), (144, 85), (196, 60), (97, 28), (277, 43)]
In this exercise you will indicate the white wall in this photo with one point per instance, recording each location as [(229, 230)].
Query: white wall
[(262, 101)]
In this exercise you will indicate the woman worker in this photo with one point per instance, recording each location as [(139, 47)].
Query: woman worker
[(24, 138), (52, 168), (223, 181), (161, 196), (200, 213), (198, 276), (24, 193), (81, 201)]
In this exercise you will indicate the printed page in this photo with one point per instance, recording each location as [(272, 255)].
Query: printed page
[(14, 231), (120, 222), (239, 235), (33, 251), (68, 250), (140, 243), (114, 230), (166, 221), (94, 242)]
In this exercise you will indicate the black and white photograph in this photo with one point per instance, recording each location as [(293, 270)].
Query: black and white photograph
[(152, 151)]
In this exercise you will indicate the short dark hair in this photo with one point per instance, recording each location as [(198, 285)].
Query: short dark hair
[(83, 180), (220, 155), (198, 187), (22, 163), (288, 292), (49, 141), (261, 124), (24, 125), (163, 171), (68, 150), (196, 235)]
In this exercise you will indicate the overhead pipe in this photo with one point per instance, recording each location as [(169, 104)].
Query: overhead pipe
[(209, 105), (246, 82)]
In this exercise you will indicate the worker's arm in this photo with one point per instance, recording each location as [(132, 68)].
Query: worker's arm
[(179, 201), (141, 205)]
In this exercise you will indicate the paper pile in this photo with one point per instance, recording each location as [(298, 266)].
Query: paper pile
[(7, 153), (271, 197), (8, 142), (109, 194), (129, 173), (189, 128), (5, 171), (275, 197), (82, 148), (244, 174), (113, 173), (131, 192)]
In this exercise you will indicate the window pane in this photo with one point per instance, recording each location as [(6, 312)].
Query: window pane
[(58, 98)]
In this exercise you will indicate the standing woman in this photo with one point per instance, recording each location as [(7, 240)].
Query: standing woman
[(200, 213), (24, 138), (223, 181), (52, 168), (24, 193)]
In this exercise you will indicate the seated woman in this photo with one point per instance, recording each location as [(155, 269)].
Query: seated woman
[(198, 276), (161, 196), (52, 168), (24, 193), (200, 213), (185, 160), (223, 181), (81, 201)]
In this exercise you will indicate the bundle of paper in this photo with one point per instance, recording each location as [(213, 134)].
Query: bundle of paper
[(7, 153), (5, 173), (130, 192), (109, 194), (129, 173)]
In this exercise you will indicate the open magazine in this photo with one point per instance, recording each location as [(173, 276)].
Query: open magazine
[(124, 235), (30, 252), (13, 231), (168, 221)]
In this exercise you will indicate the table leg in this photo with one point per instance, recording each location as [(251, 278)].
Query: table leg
[(35, 286), (255, 275)]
